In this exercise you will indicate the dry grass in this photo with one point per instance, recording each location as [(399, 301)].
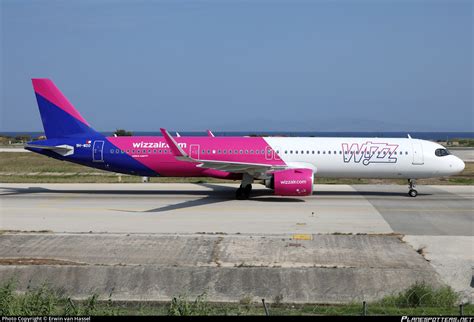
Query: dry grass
[(31, 162)]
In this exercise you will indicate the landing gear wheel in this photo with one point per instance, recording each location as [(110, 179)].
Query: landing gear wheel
[(239, 194), (411, 184), (243, 193), (413, 193), (248, 189)]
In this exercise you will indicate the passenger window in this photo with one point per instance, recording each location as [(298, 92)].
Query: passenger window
[(154, 151), (319, 152), (159, 151), (241, 151), (286, 152), (256, 151), (149, 151), (133, 151), (324, 152), (291, 151), (111, 150), (406, 152), (296, 151), (246, 151)]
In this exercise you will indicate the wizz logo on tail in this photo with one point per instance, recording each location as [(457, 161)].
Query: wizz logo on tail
[(369, 152)]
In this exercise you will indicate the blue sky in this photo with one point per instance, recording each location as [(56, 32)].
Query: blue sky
[(243, 65)]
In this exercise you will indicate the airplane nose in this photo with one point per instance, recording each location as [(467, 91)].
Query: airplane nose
[(458, 166)]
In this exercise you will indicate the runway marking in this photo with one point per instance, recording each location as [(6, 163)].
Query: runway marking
[(303, 237)]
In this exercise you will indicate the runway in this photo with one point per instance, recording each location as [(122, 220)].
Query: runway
[(211, 208), (346, 242)]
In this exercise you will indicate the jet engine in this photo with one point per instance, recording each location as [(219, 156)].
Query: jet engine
[(291, 182)]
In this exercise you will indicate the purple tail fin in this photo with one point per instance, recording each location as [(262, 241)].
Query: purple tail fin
[(60, 118)]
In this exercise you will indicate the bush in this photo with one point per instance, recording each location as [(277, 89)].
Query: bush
[(422, 294), (180, 306)]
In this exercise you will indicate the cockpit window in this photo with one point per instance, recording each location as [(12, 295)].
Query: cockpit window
[(441, 152)]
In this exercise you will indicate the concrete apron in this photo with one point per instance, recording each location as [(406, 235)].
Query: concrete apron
[(291, 269)]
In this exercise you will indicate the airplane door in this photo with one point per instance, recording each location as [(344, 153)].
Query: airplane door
[(417, 152), (194, 151), (268, 153), (98, 151)]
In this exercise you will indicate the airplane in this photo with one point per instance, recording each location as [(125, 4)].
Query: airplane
[(287, 165)]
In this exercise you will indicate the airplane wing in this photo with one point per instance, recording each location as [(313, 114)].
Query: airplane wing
[(237, 167), (228, 166)]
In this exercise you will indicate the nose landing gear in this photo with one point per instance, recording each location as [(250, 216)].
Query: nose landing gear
[(412, 192)]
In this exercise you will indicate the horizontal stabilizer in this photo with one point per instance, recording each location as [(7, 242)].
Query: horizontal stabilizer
[(63, 150)]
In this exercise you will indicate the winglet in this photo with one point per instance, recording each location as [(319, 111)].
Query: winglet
[(209, 133), (175, 148)]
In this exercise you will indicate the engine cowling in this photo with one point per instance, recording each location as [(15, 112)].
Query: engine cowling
[(292, 182)]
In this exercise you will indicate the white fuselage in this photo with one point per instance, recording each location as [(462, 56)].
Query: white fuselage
[(366, 157)]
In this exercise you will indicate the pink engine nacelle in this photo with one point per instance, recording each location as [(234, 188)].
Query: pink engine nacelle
[(293, 182)]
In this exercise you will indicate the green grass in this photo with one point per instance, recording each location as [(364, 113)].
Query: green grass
[(420, 299)]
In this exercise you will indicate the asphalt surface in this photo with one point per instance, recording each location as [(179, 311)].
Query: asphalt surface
[(193, 208)]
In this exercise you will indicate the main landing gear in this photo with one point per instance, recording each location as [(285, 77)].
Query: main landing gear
[(412, 192), (243, 192)]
